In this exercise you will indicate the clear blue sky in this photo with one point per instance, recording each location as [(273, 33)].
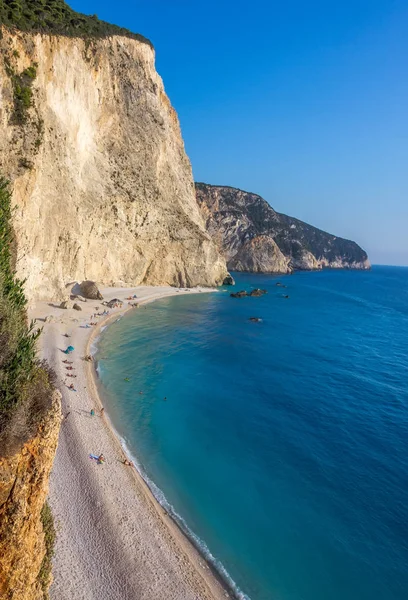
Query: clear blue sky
[(305, 103)]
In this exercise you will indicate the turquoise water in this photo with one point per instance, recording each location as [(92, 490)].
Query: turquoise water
[(283, 445)]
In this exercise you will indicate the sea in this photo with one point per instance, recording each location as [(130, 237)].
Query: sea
[(280, 446)]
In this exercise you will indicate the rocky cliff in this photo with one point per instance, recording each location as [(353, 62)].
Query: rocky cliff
[(254, 237), (24, 569), (101, 182)]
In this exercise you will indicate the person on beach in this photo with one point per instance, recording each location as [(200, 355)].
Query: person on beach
[(128, 463), (101, 459), (102, 411)]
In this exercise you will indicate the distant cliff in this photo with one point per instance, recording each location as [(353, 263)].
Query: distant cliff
[(102, 185), (254, 237)]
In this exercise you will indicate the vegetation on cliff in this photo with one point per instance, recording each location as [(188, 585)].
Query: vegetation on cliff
[(25, 383), (50, 534), (56, 17)]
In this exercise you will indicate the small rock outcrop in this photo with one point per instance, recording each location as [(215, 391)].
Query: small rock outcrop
[(257, 292), (76, 307), (253, 237), (240, 294), (229, 280), (90, 290)]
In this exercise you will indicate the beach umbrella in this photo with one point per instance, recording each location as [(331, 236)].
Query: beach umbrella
[(70, 349)]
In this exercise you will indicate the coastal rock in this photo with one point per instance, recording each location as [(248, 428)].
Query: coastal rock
[(76, 307), (229, 280), (90, 290), (105, 191), (240, 294), (254, 237), (23, 490), (257, 292)]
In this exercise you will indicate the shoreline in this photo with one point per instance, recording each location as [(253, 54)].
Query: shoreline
[(169, 519), (112, 531)]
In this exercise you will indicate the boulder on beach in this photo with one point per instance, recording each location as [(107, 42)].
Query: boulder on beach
[(78, 297), (114, 303), (76, 307), (66, 304), (89, 290)]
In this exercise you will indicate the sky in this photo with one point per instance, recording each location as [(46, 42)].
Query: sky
[(304, 103)]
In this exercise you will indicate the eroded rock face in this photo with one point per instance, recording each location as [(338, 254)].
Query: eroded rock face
[(23, 490), (260, 255), (102, 184), (253, 237)]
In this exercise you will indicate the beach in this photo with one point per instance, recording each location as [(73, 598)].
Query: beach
[(114, 540)]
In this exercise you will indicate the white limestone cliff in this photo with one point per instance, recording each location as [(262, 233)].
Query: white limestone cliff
[(101, 182)]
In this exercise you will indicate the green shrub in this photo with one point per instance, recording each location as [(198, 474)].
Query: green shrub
[(25, 385), (56, 17), (23, 94)]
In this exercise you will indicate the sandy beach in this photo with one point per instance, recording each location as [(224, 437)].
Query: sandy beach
[(115, 541)]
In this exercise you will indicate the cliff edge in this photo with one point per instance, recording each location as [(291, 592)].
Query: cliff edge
[(254, 237), (101, 182)]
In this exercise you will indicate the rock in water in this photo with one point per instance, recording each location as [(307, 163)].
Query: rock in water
[(254, 237), (229, 280), (90, 290), (257, 292), (240, 294)]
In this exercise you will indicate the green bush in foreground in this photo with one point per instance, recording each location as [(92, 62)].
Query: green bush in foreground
[(25, 383), (56, 17), (44, 575)]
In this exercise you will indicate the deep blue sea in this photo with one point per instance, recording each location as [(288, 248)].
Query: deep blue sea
[(283, 445)]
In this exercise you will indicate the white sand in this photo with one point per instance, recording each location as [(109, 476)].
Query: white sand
[(115, 542)]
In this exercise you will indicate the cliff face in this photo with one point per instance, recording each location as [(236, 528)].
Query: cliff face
[(23, 489), (253, 237), (102, 184)]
